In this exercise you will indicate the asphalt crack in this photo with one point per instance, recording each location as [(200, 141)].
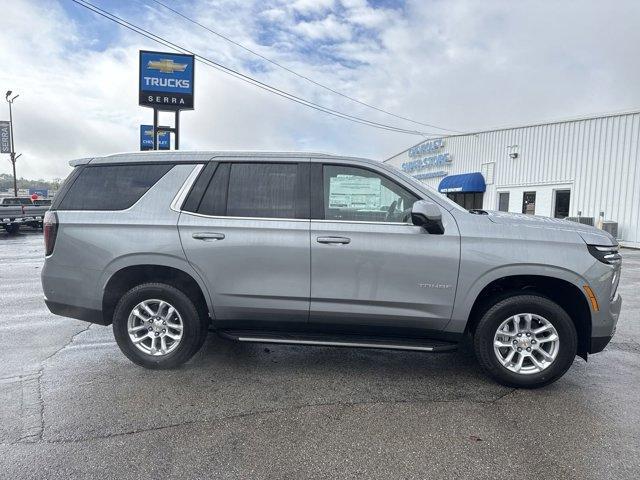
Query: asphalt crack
[(32, 402), (252, 413)]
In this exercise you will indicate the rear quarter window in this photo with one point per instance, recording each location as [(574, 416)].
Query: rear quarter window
[(111, 187)]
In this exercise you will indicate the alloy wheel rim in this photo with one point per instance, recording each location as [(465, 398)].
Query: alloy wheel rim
[(155, 327), (526, 343)]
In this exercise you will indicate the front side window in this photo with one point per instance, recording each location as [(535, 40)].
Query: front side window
[(265, 190), (358, 194)]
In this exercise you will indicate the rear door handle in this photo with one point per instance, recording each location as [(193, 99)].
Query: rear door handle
[(334, 240), (208, 236)]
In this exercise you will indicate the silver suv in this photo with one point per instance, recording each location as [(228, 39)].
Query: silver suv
[(316, 249)]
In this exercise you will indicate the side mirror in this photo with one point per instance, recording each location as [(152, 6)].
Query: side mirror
[(427, 215)]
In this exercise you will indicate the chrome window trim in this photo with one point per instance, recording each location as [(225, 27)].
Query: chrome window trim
[(287, 219), (363, 222), (223, 217), (180, 197)]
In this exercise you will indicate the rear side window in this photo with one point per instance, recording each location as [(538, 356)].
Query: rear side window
[(265, 190), (111, 187), (215, 196)]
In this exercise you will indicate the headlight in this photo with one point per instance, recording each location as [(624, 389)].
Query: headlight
[(615, 281), (608, 255)]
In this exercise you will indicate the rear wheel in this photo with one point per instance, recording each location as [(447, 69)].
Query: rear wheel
[(525, 341), (158, 326)]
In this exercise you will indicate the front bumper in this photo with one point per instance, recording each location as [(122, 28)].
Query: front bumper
[(599, 343)]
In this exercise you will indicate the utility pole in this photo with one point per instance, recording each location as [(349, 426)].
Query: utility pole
[(13, 148)]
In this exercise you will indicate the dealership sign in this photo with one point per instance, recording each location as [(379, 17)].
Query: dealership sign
[(166, 80), (427, 154), (426, 147), (146, 138), (5, 137)]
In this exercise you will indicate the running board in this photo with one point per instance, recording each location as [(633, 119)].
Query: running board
[(352, 341)]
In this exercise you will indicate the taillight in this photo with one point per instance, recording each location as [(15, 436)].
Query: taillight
[(50, 227)]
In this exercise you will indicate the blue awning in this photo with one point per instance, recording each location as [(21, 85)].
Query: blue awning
[(465, 182)]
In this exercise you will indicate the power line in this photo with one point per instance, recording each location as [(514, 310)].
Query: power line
[(241, 76), (299, 75)]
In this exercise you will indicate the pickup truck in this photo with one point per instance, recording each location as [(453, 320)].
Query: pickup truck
[(16, 211)]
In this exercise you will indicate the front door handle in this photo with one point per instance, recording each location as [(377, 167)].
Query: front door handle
[(334, 240), (208, 236)]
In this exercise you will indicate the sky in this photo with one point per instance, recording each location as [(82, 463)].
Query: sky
[(461, 65)]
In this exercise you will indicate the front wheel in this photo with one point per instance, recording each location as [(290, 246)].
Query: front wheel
[(157, 326), (525, 341)]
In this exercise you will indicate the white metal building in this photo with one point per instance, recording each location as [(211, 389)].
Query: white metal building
[(570, 168)]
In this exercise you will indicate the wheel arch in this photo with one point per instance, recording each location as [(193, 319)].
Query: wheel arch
[(124, 277), (560, 290)]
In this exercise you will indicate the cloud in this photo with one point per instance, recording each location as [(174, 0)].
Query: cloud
[(329, 28), (312, 6), (461, 64)]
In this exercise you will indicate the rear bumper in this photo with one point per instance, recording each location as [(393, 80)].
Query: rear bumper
[(72, 311)]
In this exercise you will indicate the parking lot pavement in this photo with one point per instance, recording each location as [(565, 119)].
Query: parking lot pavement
[(73, 406)]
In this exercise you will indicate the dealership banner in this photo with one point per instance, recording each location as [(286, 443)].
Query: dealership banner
[(5, 137), (146, 138), (166, 80)]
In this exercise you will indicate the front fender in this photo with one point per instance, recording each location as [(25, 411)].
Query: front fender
[(470, 288)]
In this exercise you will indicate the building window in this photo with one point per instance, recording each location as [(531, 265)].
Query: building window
[(503, 201), (562, 201), (529, 203), (468, 200)]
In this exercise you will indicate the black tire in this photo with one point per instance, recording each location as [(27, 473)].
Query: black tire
[(518, 304), (12, 228), (195, 327)]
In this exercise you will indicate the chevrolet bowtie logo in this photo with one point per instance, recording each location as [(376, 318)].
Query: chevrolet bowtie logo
[(167, 66), (149, 133)]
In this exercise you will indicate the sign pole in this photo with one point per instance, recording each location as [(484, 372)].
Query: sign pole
[(13, 149), (155, 129), (177, 130)]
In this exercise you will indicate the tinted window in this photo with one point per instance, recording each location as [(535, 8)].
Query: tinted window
[(112, 187), (214, 200), (262, 190), (357, 194), (194, 197), (66, 185)]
